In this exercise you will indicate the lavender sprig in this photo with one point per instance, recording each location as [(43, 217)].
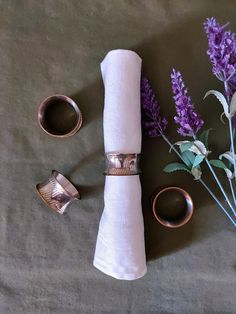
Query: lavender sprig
[(187, 118), (190, 122), (153, 122), (151, 111), (222, 53)]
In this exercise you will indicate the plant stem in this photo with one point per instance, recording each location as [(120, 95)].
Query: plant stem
[(217, 201), (200, 180), (220, 186), (218, 182), (231, 129), (232, 191), (232, 145), (232, 133), (172, 146)]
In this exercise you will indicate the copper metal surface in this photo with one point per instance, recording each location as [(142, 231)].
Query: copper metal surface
[(122, 164), (57, 192), (48, 102), (189, 208)]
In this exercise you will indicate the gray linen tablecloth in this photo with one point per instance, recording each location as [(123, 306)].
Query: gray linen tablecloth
[(49, 47)]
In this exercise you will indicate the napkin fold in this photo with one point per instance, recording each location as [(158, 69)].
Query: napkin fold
[(120, 248)]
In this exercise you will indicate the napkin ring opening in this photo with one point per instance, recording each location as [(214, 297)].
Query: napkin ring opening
[(118, 164)]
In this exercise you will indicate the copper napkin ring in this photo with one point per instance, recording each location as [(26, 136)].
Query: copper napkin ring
[(188, 210), (57, 192), (117, 164), (51, 101)]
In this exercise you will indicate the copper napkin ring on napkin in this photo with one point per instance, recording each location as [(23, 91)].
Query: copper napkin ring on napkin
[(118, 164)]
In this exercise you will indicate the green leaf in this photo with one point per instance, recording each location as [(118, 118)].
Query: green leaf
[(218, 163), (198, 159), (203, 137), (185, 146), (176, 166), (221, 99), (188, 158), (179, 143)]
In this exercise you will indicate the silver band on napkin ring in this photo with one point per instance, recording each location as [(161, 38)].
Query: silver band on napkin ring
[(122, 164)]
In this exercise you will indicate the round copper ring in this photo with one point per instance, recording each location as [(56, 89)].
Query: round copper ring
[(189, 208), (44, 105)]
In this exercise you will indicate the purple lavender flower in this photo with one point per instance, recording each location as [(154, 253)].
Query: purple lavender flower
[(153, 123), (222, 52), (187, 118)]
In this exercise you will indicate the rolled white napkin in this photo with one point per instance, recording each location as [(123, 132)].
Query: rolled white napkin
[(120, 248)]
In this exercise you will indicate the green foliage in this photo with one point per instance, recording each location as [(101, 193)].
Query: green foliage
[(198, 159), (185, 146), (188, 158), (203, 137), (176, 166), (218, 163)]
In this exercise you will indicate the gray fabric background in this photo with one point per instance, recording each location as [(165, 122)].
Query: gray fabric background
[(49, 47)]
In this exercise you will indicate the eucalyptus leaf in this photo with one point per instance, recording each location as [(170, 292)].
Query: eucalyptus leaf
[(176, 166), (179, 143), (188, 158), (185, 146), (221, 99), (217, 163), (203, 137), (198, 159), (233, 105)]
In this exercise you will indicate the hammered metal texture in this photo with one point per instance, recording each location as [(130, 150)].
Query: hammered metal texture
[(122, 164), (57, 192)]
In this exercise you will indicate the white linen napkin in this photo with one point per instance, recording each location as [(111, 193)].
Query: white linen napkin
[(120, 248)]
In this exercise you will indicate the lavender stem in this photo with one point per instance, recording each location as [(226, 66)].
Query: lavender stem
[(218, 182), (200, 180), (231, 132), (172, 146), (232, 191), (232, 145), (217, 201), (220, 186)]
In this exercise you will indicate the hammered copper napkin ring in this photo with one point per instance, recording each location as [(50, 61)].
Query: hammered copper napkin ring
[(117, 164), (59, 116), (57, 192)]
